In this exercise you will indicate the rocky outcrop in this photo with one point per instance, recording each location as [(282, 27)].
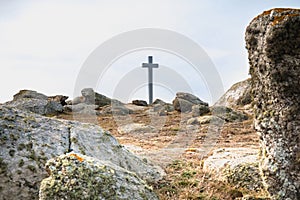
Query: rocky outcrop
[(273, 43), (238, 95), (89, 96), (38, 106), (29, 94), (185, 101), (139, 103), (28, 140), (36, 102), (75, 176)]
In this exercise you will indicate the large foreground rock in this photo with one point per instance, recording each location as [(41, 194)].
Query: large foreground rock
[(75, 176), (273, 43), (28, 140)]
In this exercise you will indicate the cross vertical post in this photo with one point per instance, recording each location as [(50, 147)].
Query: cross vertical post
[(150, 67)]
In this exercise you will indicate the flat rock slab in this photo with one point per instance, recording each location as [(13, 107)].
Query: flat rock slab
[(237, 166), (135, 128), (135, 107), (231, 157)]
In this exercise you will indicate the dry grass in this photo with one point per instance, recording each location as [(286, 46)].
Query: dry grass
[(186, 180)]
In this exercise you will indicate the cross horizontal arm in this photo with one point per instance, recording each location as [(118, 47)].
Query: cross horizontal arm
[(150, 65)]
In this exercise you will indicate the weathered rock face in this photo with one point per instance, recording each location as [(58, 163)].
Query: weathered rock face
[(36, 102), (238, 95), (75, 176), (273, 43), (38, 106), (28, 140), (185, 101)]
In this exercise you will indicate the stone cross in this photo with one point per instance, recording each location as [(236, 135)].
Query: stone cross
[(150, 67)]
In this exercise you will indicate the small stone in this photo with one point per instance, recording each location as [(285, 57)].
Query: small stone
[(139, 103), (193, 121)]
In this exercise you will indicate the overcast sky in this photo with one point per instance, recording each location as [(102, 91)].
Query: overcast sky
[(43, 44)]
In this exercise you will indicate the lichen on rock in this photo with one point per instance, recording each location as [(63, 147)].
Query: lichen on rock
[(75, 176), (273, 43)]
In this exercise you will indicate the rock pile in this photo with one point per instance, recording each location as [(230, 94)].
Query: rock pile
[(273, 43)]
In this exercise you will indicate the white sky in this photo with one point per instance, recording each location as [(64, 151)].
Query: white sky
[(43, 44)]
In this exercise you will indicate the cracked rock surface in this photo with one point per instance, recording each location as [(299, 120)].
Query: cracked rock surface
[(28, 140)]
